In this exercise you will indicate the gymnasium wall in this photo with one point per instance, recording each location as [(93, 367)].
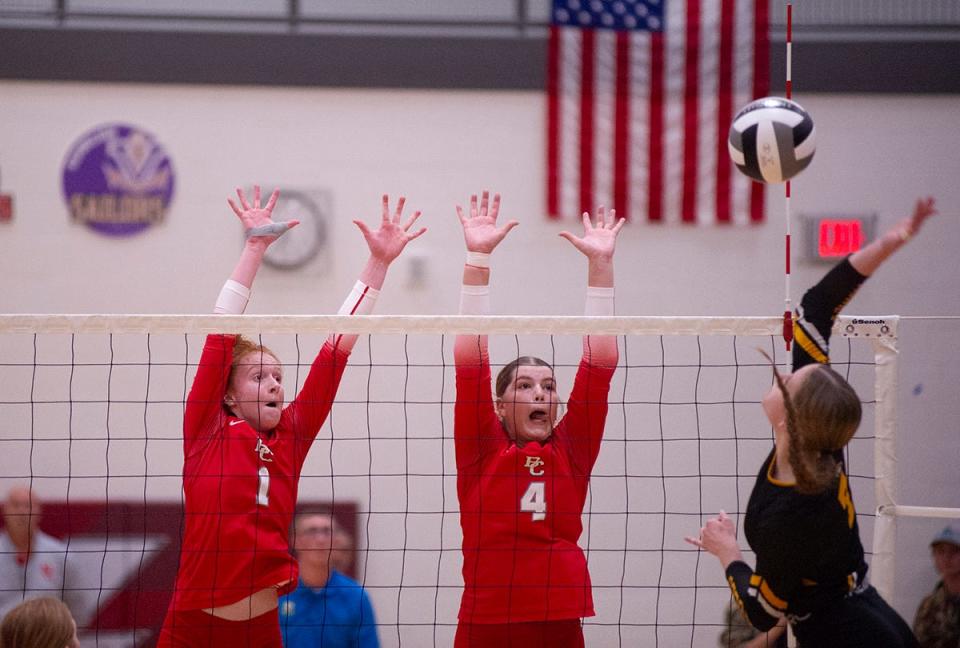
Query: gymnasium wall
[(875, 154)]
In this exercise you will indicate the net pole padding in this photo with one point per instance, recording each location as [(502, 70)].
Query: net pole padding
[(900, 510), (886, 354), (399, 324)]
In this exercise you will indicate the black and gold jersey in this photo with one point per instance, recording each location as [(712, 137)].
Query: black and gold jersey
[(807, 546)]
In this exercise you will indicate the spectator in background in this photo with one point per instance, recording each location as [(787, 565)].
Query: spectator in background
[(32, 563), (43, 622), (938, 619), (328, 608), (341, 558), (739, 633)]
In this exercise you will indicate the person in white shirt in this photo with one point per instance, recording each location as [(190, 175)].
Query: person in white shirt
[(32, 563)]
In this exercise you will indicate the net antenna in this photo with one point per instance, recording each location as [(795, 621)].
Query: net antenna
[(787, 309)]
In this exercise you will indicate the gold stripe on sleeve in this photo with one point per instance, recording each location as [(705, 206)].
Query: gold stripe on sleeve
[(800, 337)]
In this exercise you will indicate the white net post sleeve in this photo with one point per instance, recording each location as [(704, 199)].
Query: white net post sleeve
[(886, 353)]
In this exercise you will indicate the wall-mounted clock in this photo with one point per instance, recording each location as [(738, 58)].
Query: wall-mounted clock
[(300, 245)]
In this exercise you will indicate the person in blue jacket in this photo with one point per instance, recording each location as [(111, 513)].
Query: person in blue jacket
[(328, 608)]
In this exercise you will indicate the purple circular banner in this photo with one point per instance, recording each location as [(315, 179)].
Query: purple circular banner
[(118, 180)]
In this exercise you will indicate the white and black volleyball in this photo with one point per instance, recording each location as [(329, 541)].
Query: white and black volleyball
[(772, 139)]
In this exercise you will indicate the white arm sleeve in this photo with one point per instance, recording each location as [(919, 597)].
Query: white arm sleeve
[(233, 299), (599, 301), (360, 301), (474, 300)]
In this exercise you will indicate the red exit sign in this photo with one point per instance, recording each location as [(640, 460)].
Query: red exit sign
[(828, 237), (839, 237)]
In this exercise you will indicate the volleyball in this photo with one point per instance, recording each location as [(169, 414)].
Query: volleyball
[(771, 139)]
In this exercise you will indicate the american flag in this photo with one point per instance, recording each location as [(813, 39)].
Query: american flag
[(641, 94)]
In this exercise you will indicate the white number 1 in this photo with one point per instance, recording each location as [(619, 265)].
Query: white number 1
[(263, 498), (535, 501)]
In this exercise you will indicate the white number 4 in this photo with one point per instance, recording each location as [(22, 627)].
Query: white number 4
[(535, 501)]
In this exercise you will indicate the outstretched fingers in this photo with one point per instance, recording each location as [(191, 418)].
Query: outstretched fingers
[(604, 218), (473, 206), (587, 221), (411, 221), (272, 201), (924, 209), (243, 199), (363, 228), (416, 234), (495, 209), (253, 216), (485, 208), (399, 210), (575, 240), (385, 209), (608, 220), (233, 206)]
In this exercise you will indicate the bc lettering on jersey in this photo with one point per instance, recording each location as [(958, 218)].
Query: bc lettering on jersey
[(533, 463), (266, 454)]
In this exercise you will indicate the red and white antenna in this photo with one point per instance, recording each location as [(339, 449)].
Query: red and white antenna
[(788, 311)]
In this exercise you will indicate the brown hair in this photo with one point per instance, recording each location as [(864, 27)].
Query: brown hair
[(822, 417), (241, 347), (505, 377), (37, 623)]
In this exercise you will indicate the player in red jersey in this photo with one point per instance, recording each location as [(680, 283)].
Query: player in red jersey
[(521, 476), (243, 451)]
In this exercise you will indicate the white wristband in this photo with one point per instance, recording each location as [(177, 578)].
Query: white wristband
[(478, 259), (474, 300), (360, 301), (233, 298), (599, 301)]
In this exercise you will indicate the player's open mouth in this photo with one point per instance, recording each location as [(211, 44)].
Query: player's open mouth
[(540, 416), (272, 404)]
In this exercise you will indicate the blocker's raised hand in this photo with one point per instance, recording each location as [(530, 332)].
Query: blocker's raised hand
[(480, 230), (387, 242), (599, 239), (258, 221)]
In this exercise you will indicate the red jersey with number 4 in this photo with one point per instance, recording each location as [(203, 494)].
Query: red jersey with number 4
[(520, 508), (240, 487)]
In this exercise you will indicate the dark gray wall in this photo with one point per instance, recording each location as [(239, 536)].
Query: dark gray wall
[(506, 62)]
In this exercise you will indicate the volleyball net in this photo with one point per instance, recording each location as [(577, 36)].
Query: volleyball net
[(93, 406)]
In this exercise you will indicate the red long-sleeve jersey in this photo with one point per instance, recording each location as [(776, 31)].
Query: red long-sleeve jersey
[(520, 508), (240, 486)]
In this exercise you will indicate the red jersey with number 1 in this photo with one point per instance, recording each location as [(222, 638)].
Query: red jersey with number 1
[(520, 508), (240, 487)]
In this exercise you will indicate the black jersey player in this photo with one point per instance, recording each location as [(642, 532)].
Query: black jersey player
[(800, 520)]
